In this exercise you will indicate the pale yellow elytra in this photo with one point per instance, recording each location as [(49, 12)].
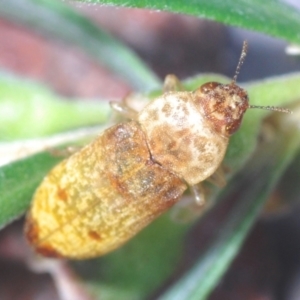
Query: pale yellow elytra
[(101, 196)]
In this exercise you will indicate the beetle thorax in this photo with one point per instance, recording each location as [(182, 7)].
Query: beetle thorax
[(180, 138)]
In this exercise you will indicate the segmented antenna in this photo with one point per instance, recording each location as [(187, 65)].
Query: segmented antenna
[(241, 61), (237, 71), (272, 108)]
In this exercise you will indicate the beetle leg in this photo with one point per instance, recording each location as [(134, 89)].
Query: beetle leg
[(199, 194), (123, 109), (65, 152), (190, 207), (218, 178), (172, 84)]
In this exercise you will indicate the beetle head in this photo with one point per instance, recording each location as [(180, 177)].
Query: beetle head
[(223, 105)]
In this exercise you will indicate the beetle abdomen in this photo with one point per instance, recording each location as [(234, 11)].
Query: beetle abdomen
[(101, 196)]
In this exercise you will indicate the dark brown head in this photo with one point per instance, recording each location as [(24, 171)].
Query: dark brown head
[(223, 105)]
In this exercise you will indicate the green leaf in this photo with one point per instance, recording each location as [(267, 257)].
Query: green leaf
[(18, 182), (28, 110), (59, 20), (266, 167), (272, 17), (289, 188)]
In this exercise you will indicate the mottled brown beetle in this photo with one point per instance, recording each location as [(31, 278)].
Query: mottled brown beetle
[(98, 198)]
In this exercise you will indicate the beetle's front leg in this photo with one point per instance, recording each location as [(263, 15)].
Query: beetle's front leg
[(124, 109), (172, 84), (218, 178), (199, 194), (190, 207)]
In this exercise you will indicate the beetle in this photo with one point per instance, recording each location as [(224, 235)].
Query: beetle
[(94, 201)]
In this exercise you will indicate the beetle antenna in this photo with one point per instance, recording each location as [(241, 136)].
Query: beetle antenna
[(272, 108), (237, 71), (241, 61)]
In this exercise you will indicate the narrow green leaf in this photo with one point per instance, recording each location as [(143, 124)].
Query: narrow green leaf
[(272, 17), (18, 182), (59, 20), (28, 110)]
